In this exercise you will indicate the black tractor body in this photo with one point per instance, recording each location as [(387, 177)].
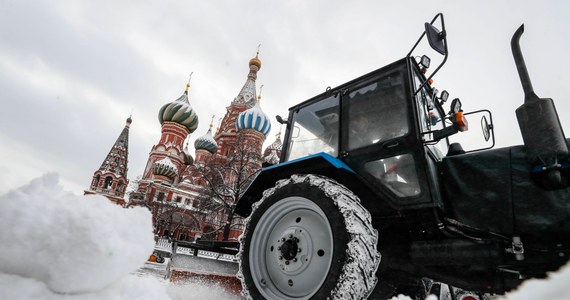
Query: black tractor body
[(482, 221)]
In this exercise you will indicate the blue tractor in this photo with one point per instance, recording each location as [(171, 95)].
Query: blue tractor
[(370, 197)]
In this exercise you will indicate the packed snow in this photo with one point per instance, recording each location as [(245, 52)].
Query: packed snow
[(59, 246)]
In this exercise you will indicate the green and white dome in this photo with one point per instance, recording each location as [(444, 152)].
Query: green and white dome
[(206, 142), (165, 167), (179, 111)]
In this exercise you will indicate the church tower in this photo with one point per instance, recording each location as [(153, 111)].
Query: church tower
[(227, 137), (167, 158), (110, 179)]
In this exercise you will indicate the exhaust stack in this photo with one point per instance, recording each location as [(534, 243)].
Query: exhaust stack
[(538, 121)]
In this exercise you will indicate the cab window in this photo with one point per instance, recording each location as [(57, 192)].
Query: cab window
[(397, 173), (377, 111), (315, 129)]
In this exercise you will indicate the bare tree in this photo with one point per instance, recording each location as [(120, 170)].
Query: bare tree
[(166, 215), (227, 178), (132, 187)]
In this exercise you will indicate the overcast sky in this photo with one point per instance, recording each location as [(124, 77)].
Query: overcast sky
[(71, 72)]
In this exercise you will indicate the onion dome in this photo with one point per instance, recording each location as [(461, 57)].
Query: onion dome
[(179, 111), (255, 119), (165, 167), (188, 159), (207, 142), (255, 61)]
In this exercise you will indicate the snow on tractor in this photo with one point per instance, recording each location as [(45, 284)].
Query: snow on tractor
[(365, 204)]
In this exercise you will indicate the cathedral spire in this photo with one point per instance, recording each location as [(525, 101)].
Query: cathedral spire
[(188, 84), (111, 178), (247, 95)]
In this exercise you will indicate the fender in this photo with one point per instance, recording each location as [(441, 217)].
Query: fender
[(320, 163)]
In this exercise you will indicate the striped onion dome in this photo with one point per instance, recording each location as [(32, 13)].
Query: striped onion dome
[(254, 118), (206, 142), (164, 167), (179, 111)]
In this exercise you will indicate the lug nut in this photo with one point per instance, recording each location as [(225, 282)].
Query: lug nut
[(298, 250), (287, 262), (295, 259), (280, 257)]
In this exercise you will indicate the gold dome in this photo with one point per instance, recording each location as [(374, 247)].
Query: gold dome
[(255, 61)]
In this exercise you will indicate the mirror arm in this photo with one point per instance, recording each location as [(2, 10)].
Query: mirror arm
[(444, 35)]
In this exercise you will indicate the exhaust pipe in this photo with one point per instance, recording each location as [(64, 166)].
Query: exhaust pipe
[(538, 121)]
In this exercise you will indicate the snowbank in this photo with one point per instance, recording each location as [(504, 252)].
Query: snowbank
[(55, 241), (555, 287)]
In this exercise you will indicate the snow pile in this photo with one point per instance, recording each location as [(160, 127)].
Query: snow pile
[(55, 242), (555, 287), (126, 288)]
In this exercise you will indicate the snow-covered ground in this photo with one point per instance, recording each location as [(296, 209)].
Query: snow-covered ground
[(55, 245)]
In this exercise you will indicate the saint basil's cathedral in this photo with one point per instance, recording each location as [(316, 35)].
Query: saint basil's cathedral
[(190, 197)]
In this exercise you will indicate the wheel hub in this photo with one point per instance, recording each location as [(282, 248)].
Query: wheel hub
[(290, 248)]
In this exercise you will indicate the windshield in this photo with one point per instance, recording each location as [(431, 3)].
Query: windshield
[(315, 129)]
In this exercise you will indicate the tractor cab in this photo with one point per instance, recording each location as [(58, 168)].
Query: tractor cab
[(388, 126), (374, 124)]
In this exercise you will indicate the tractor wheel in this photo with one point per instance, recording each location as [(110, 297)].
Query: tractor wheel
[(308, 238)]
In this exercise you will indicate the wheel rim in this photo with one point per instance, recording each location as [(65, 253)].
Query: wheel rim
[(291, 249)]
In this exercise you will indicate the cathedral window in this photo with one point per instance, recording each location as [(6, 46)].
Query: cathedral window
[(119, 186), (160, 197), (96, 182), (108, 182)]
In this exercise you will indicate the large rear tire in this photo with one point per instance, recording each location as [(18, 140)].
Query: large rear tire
[(308, 238)]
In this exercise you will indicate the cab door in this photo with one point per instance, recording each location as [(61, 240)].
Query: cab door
[(380, 137)]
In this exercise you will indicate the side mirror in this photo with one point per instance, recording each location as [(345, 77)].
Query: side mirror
[(436, 38), (476, 140), (280, 119)]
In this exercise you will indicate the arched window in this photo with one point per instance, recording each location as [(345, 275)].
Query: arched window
[(108, 182), (119, 186), (96, 181)]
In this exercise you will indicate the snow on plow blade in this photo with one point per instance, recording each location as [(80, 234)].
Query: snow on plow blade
[(206, 263)]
